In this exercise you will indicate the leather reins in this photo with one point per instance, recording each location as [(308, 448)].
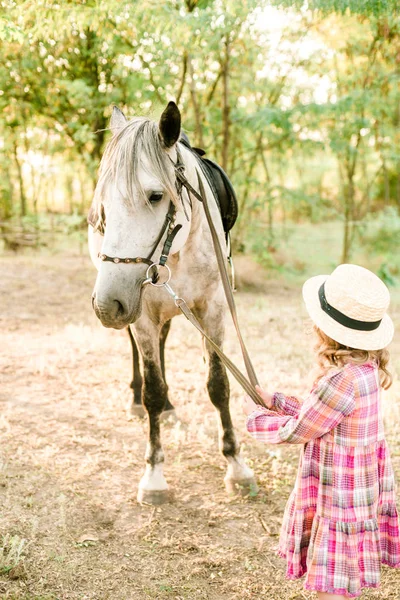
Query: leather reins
[(247, 384)]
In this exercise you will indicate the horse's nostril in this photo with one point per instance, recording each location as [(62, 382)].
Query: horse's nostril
[(109, 310), (120, 308)]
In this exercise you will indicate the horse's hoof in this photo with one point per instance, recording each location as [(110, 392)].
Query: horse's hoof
[(155, 497), (169, 415), (241, 487), (137, 410)]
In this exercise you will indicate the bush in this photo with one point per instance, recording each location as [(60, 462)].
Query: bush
[(382, 236)]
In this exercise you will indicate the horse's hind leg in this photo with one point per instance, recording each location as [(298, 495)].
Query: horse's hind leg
[(153, 487), (239, 477), (136, 406)]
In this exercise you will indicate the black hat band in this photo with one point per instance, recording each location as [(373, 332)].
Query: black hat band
[(339, 317)]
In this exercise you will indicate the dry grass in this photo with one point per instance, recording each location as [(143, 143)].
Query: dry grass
[(71, 460)]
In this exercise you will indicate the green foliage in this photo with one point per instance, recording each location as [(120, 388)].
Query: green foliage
[(387, 273), (375, 8), (12, 549), (383, 231), (381, 236), (304, 120)]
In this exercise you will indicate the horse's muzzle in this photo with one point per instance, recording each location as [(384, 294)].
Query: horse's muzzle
[(114, 313)]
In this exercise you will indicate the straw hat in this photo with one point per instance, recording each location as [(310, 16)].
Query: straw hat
[(350, 307)]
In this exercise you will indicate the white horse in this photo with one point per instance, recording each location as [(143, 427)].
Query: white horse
[(135, 191)]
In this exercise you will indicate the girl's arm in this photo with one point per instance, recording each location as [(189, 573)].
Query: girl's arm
[(329, 402)]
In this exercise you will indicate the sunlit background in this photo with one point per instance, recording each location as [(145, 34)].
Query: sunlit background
[(301, 108), (299, 102)]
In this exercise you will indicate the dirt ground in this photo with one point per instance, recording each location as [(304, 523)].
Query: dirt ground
[(71, 459)]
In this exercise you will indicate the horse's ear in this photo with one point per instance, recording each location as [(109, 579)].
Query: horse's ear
[(170, 125), (118, 120)]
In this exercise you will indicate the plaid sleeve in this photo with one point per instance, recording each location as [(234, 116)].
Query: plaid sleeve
[(329, 402), (286, 405)]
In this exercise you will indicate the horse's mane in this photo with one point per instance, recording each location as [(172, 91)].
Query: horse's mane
[(122, 158)]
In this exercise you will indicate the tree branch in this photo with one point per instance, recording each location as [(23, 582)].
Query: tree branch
[(152, 80), (183, 79), (214, 87)]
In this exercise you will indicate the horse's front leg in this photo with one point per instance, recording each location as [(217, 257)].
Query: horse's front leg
[(135, 406), (239, 477), (153, 487)]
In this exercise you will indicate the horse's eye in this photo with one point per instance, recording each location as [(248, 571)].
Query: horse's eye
[(156, 197)]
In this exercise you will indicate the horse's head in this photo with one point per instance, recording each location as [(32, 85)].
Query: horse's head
[(134, 193)]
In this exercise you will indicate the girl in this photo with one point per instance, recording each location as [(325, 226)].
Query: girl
[(340, 522)]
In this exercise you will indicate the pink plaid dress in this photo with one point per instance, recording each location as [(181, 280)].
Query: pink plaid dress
[(340, 522)]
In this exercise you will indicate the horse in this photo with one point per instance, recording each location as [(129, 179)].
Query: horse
[(139, 213)]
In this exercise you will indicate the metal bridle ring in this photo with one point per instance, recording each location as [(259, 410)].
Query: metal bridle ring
[(158, 269)]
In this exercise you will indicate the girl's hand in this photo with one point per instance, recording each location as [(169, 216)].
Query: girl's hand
[(265, 396), (249, 406)]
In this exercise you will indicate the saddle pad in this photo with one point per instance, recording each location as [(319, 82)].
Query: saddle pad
[(223, 191)]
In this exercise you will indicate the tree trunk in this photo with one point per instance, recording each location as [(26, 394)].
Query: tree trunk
[(241, 226), (22, 194), (270, 201), (69, 190), (386, 183), (348, 220), (82, 192), (225, 107), (100, 125), (199, 141), (346, 239), (6, 211), (398, 185)]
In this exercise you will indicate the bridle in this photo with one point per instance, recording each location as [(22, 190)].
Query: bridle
[(152, 278), (168, 225)]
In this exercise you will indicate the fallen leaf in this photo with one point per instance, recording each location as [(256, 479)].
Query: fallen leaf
[(88, 536)]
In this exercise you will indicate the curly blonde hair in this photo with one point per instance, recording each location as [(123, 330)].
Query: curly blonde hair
[(331, 354)]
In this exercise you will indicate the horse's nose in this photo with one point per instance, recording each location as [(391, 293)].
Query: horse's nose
[(120, 310), (109, 309)]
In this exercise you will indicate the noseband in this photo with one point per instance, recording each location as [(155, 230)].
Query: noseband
[(168, 225)]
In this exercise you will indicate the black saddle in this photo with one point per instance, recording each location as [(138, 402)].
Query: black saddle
[(220, 184)]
